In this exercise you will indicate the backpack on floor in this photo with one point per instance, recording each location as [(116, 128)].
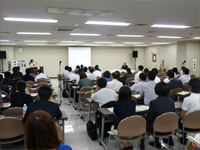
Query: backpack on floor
[(91, 130), (64, 94)]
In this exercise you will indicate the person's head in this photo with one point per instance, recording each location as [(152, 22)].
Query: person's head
[(194, 85), (101, 82), (124, 63), (77, 67), (142, 77), (41, 132), (155, 70), (44, 92), (151, 76), (96, 67), (115, 75), (31, 61), (15, 69), (175, 70), (80, 70), (15, 80), (170, 74), (18, 68), (69, 69), (1, 78), (161, 89), (40, 71), (85, 69), (7, 74), (182, 68), (140, 68), (21, 85), (66, 67), (129, 70), (106, 74), (146, 70), (28, 70), (186, 71), (81, 66), (91, 69), (125, 94), (82, 75), (76, 71)]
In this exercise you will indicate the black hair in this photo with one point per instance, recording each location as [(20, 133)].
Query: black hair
[(115, 75), (69, 69), (183, 67), (79, 70), (30, 61), (106, 74), (1, 77), (7, 74), (143, 76), (186, 71), (15, 80), (170, 73), (162, 89), (146, 70), (40, 71), (28, 70), (155, 70), (175, 70), (96, 67), (77, 67), (125, 94), (85, 69), (44, 92), (81, 66), (195, 84), (151, 75), (15, 69), (21, 85), (101, 82), (66, 67), (140, 67), (129, 70), (91, 69), (18, 68)]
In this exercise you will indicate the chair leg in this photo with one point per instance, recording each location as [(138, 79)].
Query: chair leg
[(183, 138), (109, 143)]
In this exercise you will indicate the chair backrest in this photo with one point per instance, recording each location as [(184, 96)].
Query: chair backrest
[(160, 75), (11, 127), (41, 84), (85, 89), (186, 87), (87, 95), (30, 82), (129, 80), (30, 90), (9, 86), (3, 92), (42, 80), (36, 90), (192, 76), (28, 85), (173, 92), (192, 120), (132, 126), (59, 132), (186, 83), (13, 111), (166, 122)]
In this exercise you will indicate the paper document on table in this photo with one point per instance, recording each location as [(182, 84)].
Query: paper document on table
[(146, 107), (33, 94), (111, 109), (193, 139), (3, 95), (140, 108), (182, 93), (136, 95)]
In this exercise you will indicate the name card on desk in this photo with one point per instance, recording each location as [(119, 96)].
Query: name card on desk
[(136, 95), (141, 108), (111, 109)]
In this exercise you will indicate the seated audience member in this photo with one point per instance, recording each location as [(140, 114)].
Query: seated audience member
[(106, 75), (85, 69), (97, 72), (147, 89), (14, 86), (19, 98), (190, 103), (19, 71), (146, 71), (81, 66), (103, 94), (91, 75), (41, 133), (77, 67), (185, 76), (3, 87), (66, 72), (114, 84), (128, 74), (124, 66), (140, 68), (181, 72), (15, 73), (173, 83), (41, 75), (7, 80), (27, 76), (83, 82), (74, 76), (175, 72), (44, 104), (124, 107), (162, 104), (157, 79), (137, 87), (121, 79)]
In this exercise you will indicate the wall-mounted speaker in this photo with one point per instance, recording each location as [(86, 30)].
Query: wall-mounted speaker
[(135, 54), (2, 54)]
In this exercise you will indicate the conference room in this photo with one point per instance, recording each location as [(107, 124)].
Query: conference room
[(58, 33)]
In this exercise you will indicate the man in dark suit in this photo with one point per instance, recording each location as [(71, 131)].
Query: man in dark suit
[(15, 73), (28, 77), (173, 83), (3, 87), (124, 66), (44, 104), (7, 80)]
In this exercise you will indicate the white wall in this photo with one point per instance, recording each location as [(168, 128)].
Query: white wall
[(181, 53)]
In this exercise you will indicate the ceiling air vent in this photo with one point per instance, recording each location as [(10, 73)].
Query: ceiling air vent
[(197, 27), (5, 32), (150, 36), (109, 34), (141, 24), (65, 29), (151, 32)]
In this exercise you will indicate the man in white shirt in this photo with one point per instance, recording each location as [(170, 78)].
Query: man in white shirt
[(147, 89), (69, 72), (190, 103), (136, 87), (185, 77), (157, 79), (104, 95), (73, 76), (114, 85), (97, 72), (41, 75), (140, 68), (66, 72), (91, 75)]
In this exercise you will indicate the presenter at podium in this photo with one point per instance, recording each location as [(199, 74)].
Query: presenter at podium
[(124, 66), (32, 64)]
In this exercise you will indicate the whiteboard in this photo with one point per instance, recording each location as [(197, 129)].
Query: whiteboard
[(78, 56)]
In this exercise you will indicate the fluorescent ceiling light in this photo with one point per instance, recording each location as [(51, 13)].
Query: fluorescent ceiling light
[(4, 40), (7, 43), (36, 44), (160, 43), (85, 34), (108, 23), (173, 37), (37, 33), (92, 44), (140, 45), (31, 20), (116, 45), (196, 38), (34, 41), (130, 35), (104, 42), (65, 44), (169, 26), (71, 41), (133, 42)]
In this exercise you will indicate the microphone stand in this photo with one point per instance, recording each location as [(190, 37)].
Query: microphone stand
[(59, 79)]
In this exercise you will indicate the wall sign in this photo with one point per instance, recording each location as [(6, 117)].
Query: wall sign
[(20, 63), (194, 64)]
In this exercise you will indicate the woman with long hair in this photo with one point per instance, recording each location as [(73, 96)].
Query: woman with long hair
[(124, 107)]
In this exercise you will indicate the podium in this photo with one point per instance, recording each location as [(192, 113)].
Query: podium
[(35, 69)]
